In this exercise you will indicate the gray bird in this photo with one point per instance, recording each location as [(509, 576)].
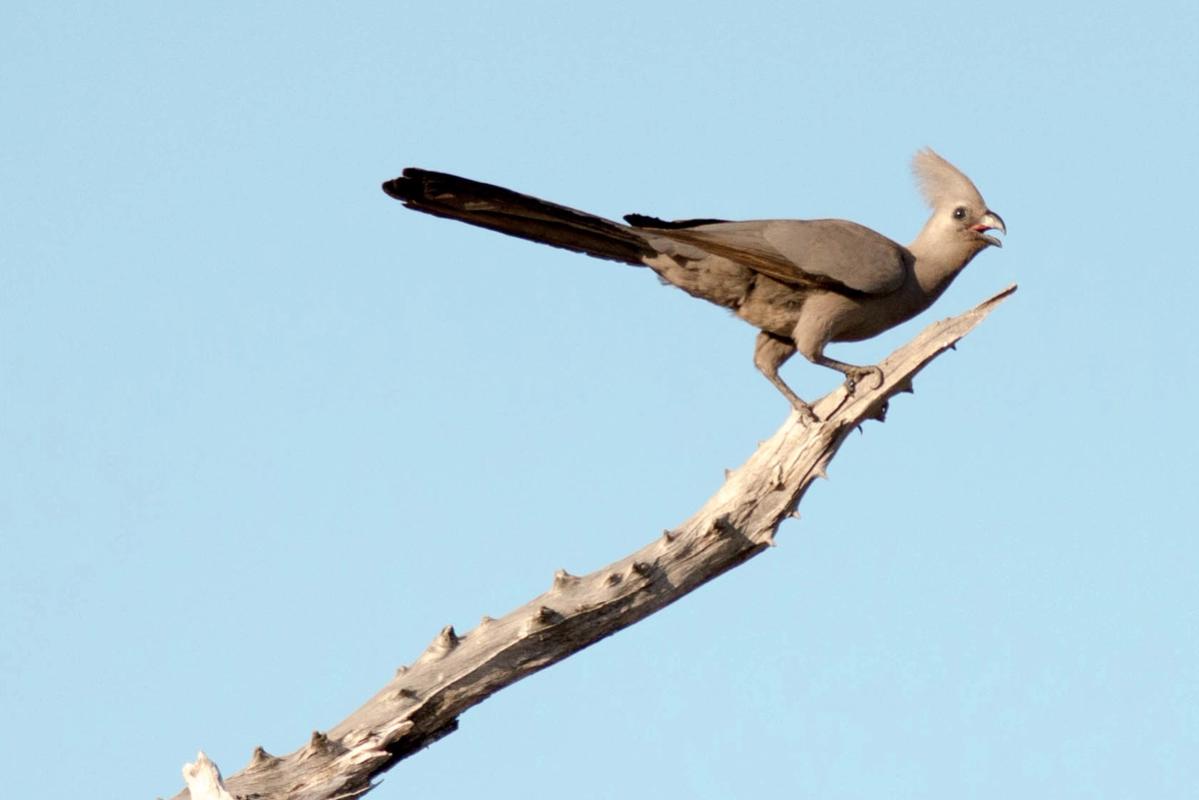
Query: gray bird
[(802, 283)]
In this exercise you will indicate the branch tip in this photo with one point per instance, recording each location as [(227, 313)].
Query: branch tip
[(204, 780)]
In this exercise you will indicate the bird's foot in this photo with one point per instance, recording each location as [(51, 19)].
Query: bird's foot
[(856, 374)]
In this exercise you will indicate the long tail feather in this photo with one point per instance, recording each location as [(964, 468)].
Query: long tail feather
[(517, 214)]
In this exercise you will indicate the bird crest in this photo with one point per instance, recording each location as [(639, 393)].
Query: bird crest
[(942, 183)]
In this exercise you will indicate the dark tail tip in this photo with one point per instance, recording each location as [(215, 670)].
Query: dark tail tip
[(416, 184), (399, 188)]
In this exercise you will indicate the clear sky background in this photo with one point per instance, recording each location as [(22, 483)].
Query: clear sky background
[(263, 432)]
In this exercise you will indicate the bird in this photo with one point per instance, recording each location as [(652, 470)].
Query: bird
[(803, 283)]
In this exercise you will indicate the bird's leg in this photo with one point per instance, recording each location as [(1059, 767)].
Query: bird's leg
[(770, 352), (852, 372)]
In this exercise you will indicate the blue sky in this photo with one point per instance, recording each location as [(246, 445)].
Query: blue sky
[(263, 432)]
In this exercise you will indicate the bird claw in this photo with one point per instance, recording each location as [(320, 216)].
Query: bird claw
[(858, 373)]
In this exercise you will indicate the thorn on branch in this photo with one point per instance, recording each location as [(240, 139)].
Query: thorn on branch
[(543, 616), (721, 526), (669, 536), (445, 642), (261, 759), (563, 580), (317, 745)]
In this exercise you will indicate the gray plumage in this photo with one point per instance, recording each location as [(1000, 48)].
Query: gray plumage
[(802, 283)]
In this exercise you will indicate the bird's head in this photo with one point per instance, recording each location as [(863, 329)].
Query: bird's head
[(960, 214)]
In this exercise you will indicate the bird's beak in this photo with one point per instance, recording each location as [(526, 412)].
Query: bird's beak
[(990, 221)]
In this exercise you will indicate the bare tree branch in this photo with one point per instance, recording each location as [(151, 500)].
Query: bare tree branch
[(422, 702), (203, 780)]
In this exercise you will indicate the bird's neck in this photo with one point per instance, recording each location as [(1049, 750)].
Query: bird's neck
[(939, 259)]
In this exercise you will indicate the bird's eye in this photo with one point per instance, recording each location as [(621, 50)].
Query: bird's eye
[(959, 213)]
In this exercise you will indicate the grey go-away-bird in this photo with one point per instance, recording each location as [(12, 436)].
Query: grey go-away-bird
[(802, 283)]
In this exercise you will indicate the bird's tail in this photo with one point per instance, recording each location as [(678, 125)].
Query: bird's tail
[(516, 214)]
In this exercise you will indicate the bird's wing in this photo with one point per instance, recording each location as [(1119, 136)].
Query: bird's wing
[(830, 253)]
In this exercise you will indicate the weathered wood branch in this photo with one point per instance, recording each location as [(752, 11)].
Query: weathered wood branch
[(422, 702), (203, 780)]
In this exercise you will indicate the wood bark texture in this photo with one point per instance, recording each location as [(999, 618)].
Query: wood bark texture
[(422, 702)]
